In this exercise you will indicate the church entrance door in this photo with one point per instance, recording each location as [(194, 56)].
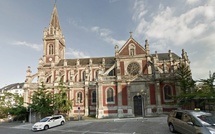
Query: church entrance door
[(138, 105)]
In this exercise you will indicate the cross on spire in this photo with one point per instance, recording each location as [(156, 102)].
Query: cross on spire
[(130, 34)]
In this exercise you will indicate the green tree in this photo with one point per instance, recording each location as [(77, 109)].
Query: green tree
[(12, 104), (61, 102), (186, 84), (206, 92), (42, 100)]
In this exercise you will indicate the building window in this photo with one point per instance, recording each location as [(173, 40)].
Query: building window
[(83, 76), (51, 49), (94, 97), (79, 97), (132, 50), (110, 95), (48, 79), (97, 75), (168, 93), (133, 68), (112, 72)]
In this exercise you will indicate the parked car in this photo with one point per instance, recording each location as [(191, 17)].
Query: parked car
[(191, 122), (48, 122)]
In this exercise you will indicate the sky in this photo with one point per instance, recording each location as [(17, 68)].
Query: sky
[(92, 28)]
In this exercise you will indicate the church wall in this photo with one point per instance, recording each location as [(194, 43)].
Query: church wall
[(139, 50), (122, 68), (152, 94), (144, 67), (124, 95), (125, 51)]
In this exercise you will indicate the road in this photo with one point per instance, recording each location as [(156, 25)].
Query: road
[(155, 125)]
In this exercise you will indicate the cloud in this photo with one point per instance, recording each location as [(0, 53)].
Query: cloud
[(105, 34), (76, 53), (37, 47), (191, 27), (175, 27), (192, 1)]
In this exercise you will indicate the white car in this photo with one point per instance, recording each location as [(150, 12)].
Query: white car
[(48, 122)]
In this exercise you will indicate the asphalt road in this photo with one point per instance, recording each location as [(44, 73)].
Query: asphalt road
[(154, 125)]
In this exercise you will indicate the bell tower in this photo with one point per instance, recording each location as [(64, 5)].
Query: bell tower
[(53, 40)]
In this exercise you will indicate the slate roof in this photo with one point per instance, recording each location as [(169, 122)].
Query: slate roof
[(165, 56), (12, 86), (108, 60), (85, 61)]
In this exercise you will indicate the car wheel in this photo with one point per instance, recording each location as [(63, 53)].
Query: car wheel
[(62, 122), (46, 127), (171, 128)]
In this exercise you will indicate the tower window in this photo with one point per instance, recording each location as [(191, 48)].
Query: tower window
[(51, 49)]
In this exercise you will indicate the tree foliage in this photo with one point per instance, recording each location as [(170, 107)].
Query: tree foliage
[(208, 88), (12, 104), (186, 84), (45, 102), (184, 76), (61, 102), (42, 101)]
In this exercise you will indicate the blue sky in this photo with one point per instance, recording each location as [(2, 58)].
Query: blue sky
[(93, 27)]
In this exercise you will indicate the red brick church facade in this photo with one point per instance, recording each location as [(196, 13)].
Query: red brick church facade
[(133, 82)]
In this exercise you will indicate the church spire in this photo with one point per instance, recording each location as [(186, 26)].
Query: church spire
[(54, 18), (54, 42)]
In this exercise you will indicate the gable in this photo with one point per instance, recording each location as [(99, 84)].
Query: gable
[(131, 47)]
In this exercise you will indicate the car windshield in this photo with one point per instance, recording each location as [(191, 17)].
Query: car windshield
[(44, 119), (207, 119)]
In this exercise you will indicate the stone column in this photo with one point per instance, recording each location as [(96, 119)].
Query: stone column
[(100, 98), (86, 108), (130, 101), (158, 97), (119, 101)]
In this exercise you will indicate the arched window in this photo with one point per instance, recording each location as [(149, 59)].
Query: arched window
[(51, 49), (110, 95), (97, 75), (168, 92), (48, 80), (83, 76), (132, 50), (79, 97), (94, 97)]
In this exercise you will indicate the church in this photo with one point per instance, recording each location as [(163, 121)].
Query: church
[(131, 83)]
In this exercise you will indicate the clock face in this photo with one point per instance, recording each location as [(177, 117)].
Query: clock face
[(50, 59), (133, 68)]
